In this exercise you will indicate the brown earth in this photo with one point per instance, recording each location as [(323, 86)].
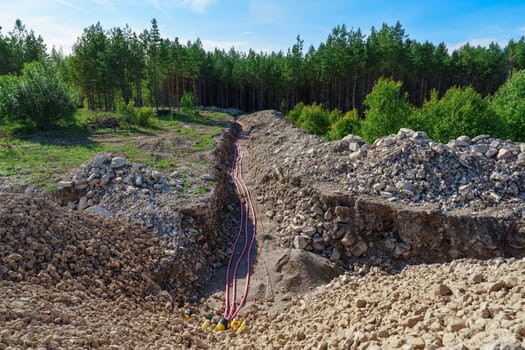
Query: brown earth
[(74, 280)]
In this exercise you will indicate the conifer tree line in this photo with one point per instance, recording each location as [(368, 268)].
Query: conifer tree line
[(121, 66)]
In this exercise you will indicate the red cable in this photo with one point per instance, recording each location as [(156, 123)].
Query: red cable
[(231, 311), (248, 262), (234, 247)]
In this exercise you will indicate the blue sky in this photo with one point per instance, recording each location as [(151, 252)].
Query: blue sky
[(270, 24)]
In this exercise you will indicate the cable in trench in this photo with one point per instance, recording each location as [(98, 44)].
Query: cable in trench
[(247, 210)]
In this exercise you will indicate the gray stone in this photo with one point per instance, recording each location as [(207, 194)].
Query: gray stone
[(481, 148), (491, 153), (354, 146), (207, 177), (66, 184), (309, 231), (82, 203), (348, 239), (300, 242), (117, 162), (105, 180), (358, 248), (479, 138), (100, 160), (521, 159), (464, 138), (100, 211), (355, 156), (442, 290), (458, 143)]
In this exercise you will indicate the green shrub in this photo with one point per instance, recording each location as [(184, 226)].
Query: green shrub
[(41, 99), (314, 119), (187, 103), (387, 110), (130, 115), (127, 113), (509, 104), (8, 85), (295, 113), (461, 111), (145, 116), (347, 124)]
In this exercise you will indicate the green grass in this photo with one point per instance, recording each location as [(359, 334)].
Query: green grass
[(40, 158)]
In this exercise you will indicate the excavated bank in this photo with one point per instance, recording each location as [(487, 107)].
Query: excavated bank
[(348, 200), (194, 230)]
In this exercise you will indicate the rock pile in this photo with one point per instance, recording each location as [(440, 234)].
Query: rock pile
[(464, 304), (111, 186), (405, 196), (41, 243), (412, 168), (192, 228)]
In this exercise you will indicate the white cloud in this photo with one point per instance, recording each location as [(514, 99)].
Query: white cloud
[(483, 42), (521, 30), (197, 5)]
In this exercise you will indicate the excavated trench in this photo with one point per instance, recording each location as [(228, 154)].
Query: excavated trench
[(307, 216), (317, 215)]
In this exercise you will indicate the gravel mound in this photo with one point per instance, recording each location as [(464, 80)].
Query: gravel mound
[(41, 243), (405, 197), (407, 167), (463, 304)]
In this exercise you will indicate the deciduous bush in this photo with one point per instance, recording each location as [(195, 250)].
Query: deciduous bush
[(387, 110), (347, 124), (41, 99), (8, 85), (314, 119), (461, 111), (187, 103), (509, 104), (143, 116)]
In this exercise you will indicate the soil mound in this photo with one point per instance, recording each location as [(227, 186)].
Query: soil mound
[(42, 243)]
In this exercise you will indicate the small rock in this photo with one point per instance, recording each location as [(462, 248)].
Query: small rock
[(309, 231), (82, 203), (480, 137), (12, 258), (359, 248), (207, 177), (117, 162), (100, 211), (496, 286), (491, 153), (355, 156), (300, 242), (455, 323), (442, 290), (66, 184), (105, 180), (504, 153), (477, 278), (360, 303)]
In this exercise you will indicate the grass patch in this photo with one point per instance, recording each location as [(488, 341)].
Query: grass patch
[(41, 158)]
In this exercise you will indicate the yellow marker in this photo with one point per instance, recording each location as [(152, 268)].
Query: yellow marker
[(241, 327), (235, 324), (206, 324), (187, 314), (222, 325)]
